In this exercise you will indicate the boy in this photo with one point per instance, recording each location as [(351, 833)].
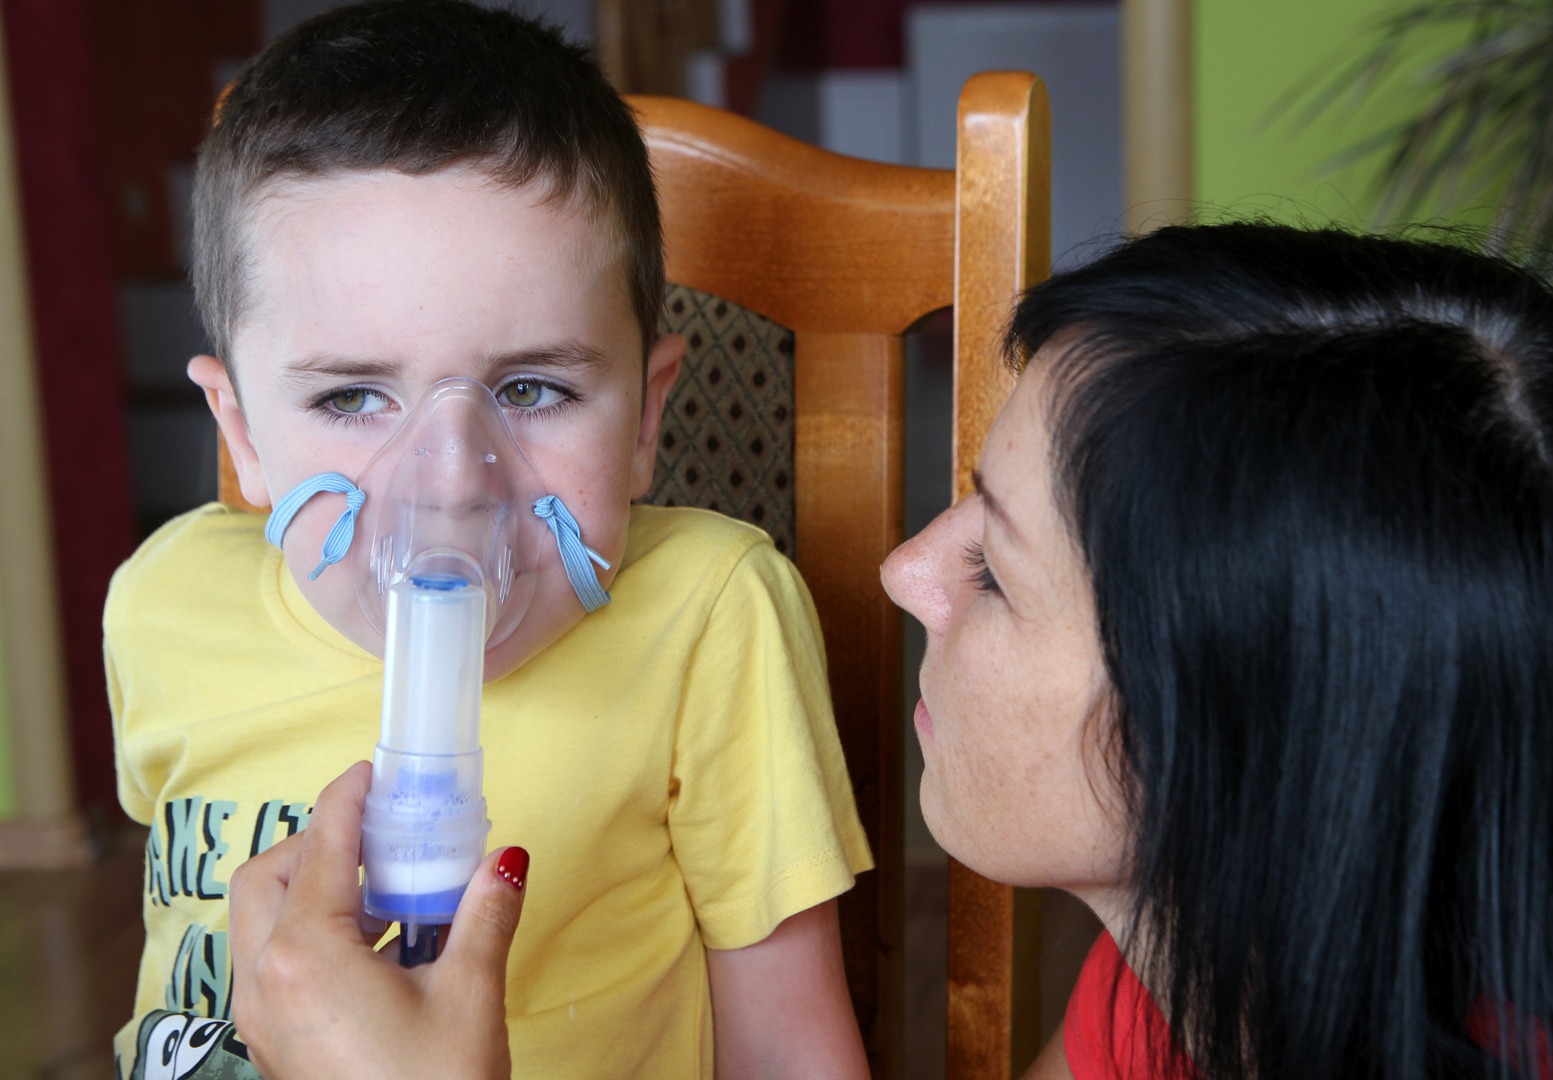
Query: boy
[(393, 195)]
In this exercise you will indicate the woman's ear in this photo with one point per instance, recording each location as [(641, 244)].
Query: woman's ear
[(211, 376), (663, 361)]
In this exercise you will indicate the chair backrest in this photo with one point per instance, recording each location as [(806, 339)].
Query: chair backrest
[(848, 255), (844, 256), (1002, 246)]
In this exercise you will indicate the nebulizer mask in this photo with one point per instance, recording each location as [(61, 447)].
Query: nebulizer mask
[(442, 532)]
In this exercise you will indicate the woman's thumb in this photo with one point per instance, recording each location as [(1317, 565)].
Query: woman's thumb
[(487, 918)]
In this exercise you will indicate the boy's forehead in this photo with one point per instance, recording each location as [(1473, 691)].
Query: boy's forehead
[(367, 192), (391, 224)]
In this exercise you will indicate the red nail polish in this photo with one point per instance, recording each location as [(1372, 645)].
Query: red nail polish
[(512, 867)]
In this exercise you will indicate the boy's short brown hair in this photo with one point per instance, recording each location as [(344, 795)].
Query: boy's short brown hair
[(415, 86)]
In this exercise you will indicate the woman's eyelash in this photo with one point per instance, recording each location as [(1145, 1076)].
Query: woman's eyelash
[(981, 573)]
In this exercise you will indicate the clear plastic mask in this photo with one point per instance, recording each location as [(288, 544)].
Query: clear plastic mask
[(451, 492)]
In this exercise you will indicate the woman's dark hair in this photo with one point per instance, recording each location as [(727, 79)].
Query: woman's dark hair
[(1311, 474)]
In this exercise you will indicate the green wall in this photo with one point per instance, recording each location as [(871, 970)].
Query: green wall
[(1249, 159)]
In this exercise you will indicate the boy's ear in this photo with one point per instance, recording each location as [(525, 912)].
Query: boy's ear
[(663, 361), (211, 376)]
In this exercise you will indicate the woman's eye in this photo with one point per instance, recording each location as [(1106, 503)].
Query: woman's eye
[(981, 574)]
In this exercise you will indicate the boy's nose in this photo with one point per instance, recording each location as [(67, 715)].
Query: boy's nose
[(913, 576), (464, 481), (468, 458)]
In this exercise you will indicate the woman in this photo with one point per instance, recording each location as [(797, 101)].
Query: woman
[(1247, 641)]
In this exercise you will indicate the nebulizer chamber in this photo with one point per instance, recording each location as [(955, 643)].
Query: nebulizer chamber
[(424, 827), (453, 547)]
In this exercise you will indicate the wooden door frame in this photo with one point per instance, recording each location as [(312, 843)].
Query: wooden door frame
[(1157, 118)]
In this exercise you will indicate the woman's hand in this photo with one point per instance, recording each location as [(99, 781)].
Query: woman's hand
[(312, 999)]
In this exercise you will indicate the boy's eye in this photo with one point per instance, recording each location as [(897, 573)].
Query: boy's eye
[(355, 401), (520, 392), (530, 394)]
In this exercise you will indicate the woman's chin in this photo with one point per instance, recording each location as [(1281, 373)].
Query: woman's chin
[(932, 808)]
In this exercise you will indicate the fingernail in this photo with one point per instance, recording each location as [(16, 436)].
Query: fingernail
[(512, 867)]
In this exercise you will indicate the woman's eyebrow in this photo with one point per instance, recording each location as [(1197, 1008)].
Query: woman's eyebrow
[(993, 506)]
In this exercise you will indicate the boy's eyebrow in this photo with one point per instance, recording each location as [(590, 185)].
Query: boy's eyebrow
[(569, 353), (557, 354), (340, 367)]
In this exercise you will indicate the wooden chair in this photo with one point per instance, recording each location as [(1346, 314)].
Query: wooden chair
[(847, 256)]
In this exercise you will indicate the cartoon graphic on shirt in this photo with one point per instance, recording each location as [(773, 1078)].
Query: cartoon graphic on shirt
[(190, 850), (191, 836), (172, 1046)]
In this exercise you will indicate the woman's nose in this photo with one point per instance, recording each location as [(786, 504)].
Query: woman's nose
[(914, 577)]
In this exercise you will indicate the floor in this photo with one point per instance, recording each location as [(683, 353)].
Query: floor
[(69, 944), (927, 989)]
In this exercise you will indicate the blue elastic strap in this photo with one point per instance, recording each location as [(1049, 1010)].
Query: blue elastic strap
[(338, 542), (576, 556)]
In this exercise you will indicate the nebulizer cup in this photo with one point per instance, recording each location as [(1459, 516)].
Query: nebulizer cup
[(453, 549)]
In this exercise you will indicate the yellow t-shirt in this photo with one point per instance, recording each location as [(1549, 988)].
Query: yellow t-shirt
[(671, 764)]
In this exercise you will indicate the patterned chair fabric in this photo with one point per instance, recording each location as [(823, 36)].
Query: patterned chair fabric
[(727, 438)]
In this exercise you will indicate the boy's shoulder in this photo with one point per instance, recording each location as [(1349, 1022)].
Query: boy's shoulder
[(705, 558), (193, 552), (703, 537)]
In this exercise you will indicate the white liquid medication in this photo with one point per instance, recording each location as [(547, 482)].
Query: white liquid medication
[(424, 828)]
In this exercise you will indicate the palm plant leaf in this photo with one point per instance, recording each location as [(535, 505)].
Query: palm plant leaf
[(1483, 127)]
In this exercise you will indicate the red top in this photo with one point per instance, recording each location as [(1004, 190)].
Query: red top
[(1113, 1030), (1484, 1024)]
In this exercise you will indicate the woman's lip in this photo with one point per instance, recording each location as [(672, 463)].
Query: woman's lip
[(923, 720)]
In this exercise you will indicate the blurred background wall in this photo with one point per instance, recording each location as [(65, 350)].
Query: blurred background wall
[(1254, 65)]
